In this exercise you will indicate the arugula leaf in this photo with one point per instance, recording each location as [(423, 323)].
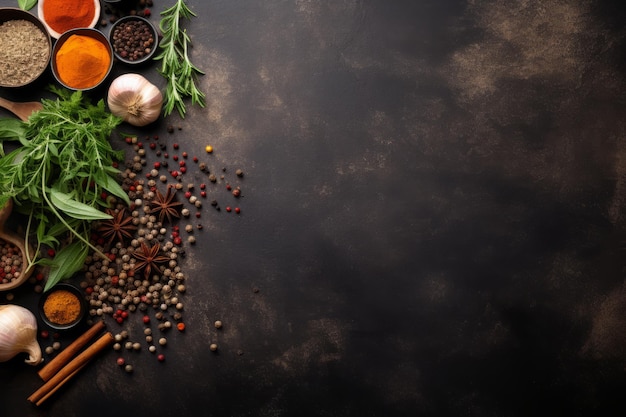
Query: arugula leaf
[(26, 4)]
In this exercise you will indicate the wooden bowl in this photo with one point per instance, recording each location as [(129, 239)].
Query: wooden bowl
[(18, 241)]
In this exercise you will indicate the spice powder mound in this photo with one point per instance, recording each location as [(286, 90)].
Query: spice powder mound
[(62, 307), (24, 52)]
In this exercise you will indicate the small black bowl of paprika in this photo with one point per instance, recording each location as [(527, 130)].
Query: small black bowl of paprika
[(62, 307), (134, 40)]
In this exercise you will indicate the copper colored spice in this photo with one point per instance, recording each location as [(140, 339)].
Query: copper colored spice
[(62, 307)]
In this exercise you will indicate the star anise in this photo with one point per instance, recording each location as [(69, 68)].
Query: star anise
[(165, 205), (119, 228), (148, 259)]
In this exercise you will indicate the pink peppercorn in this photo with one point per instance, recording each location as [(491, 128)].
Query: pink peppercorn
[(161, 357)]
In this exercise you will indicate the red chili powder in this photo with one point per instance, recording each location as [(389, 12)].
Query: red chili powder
[(63, 15)]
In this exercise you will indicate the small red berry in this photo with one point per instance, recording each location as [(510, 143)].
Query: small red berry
[(183, 169), (146, 319), (237, 210), (161, 357), (157, 165), (51, 252), (184, 154), (175, 145), (147, 12), (228, 209), (120, 361)]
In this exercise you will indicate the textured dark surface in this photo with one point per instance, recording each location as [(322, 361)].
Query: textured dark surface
[(433, 215)]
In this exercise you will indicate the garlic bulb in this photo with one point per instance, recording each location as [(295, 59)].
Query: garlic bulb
[(18, 333), (135, 99)]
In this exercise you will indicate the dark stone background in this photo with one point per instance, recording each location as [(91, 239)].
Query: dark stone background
[(433, 215)]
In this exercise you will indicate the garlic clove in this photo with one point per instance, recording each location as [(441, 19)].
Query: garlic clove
[(18, 334), (135, 99)]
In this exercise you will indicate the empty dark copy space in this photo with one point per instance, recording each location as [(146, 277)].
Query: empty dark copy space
[(432, 223)]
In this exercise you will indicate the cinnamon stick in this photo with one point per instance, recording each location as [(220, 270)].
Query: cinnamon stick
[(69, 370), (68, 353)]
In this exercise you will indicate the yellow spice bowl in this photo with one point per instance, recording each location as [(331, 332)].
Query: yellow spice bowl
[(62, 307), (78, 59)]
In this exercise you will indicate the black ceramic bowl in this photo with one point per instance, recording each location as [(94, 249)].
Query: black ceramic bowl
[(63, 307), (133, 50), (8, 14), (83, 32)]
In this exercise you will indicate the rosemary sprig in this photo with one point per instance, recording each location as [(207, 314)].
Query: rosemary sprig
[(176, 66)]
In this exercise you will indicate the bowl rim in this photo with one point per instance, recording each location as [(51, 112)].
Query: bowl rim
[(150, 25), (74, 290), (57, 35), (80, 31), (41, 26)]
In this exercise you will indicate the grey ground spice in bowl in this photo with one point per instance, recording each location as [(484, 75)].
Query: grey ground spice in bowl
[(24, 52)]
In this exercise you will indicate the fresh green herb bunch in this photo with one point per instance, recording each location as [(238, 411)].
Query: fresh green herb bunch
[(181, 74), (57, 176)]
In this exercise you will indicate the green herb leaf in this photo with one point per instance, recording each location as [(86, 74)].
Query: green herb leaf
[(112, 186), (65, 263), (74, 208), (26, 4)]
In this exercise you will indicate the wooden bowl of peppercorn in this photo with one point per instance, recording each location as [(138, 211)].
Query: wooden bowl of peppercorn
[(134, 40), (14, 255)]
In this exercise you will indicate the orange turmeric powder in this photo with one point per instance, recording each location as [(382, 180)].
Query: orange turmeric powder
[(62, 307), (82, 62), (63, 15)]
